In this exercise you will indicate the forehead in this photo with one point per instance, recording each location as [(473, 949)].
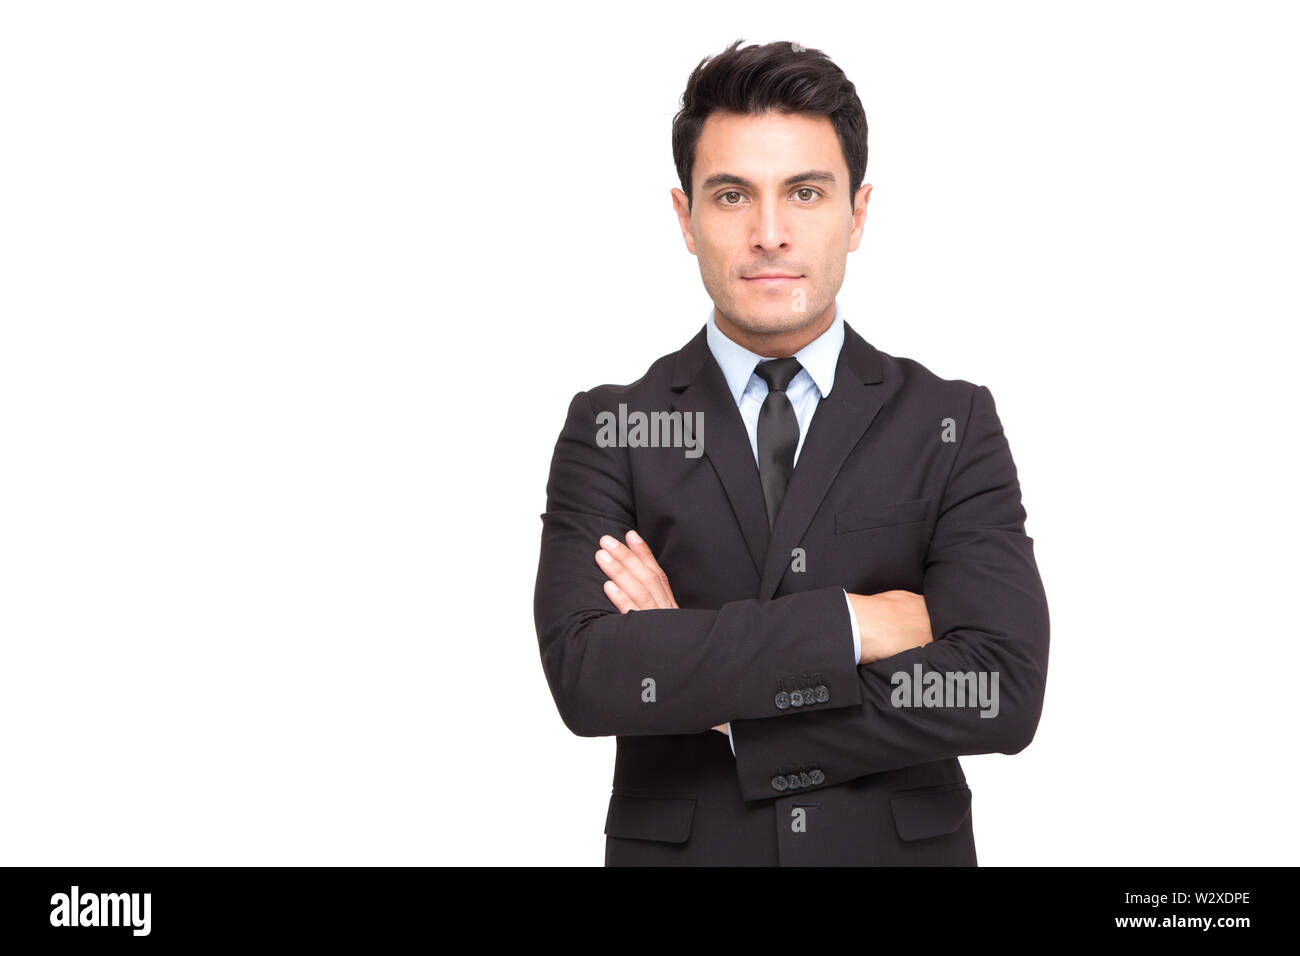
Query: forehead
[(767, 145)]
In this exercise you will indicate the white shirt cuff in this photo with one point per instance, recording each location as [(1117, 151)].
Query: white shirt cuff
[(857, 636)]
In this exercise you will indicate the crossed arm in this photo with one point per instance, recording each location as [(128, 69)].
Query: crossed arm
[(719, 667), (889, 622)]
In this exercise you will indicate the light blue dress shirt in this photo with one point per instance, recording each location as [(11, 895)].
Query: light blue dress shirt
[(814, 381)]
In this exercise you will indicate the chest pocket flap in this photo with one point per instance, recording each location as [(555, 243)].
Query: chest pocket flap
[(880, 516)]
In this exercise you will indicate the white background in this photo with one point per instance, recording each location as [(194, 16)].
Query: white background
[(294, 297)]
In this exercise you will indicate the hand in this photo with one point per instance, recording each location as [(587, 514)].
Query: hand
[(890, 622), (636, 582)]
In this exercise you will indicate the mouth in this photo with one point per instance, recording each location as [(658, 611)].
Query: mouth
[(772, 278)]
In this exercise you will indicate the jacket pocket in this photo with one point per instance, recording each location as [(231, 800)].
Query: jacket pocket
[(665, 819), (880, 516), (931, 812)]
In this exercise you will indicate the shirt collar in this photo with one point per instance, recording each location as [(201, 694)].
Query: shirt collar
[(819, 357)]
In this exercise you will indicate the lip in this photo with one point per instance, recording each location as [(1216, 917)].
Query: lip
[(771, 278)]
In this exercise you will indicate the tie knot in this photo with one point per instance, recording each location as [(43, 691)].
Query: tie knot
[(778, 372)]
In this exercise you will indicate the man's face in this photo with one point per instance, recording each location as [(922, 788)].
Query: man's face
[(771, 198)]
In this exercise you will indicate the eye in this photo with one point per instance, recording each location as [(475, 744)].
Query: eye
[(807, 189), (724, 196)]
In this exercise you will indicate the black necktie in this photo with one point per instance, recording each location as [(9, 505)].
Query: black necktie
[(778, 432)]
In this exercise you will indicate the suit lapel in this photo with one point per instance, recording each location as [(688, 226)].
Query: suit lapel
[(841, 419), (837, 426), (699, 386)]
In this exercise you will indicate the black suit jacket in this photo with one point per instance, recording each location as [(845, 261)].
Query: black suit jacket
[(878, 500)]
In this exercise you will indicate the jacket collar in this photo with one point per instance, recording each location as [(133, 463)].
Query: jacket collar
[(841, 419)]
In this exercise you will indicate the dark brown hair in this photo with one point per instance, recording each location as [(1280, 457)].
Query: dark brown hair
[(779, 76)]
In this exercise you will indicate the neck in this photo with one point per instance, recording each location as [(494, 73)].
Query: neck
[(775, 344)]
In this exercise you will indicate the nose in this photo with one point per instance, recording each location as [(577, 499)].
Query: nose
[(771, 234)]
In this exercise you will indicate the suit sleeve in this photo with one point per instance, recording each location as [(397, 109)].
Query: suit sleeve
[(857, 656), (988, 613), (662, 671)]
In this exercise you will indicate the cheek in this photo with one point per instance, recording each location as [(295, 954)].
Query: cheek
[(713, 255), (831, 253)]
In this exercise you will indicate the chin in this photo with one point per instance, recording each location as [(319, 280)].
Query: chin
[(767, 323), (777, 317)]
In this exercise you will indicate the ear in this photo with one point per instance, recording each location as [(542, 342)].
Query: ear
[(684, 218), (859, 215)]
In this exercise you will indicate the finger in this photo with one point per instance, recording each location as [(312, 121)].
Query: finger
[(627, 582), (642, 550), (654, 586), (618, 598)]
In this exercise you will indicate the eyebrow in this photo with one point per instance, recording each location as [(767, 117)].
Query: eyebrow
[(731, 179)]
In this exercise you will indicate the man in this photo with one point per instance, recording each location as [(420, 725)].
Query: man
[(789, 571)]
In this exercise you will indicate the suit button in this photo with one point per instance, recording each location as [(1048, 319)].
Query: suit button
[(809, 696), (782, 700), (796, 698), (778, 782), (792, 781), (805, 780), (817, 777), (822, 693)]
